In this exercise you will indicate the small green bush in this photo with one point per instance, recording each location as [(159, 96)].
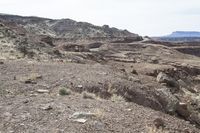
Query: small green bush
[(64, 91)]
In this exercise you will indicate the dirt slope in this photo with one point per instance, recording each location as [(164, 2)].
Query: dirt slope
[(23, 108)]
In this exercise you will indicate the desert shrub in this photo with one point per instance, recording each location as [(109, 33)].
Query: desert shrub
[(64, 91)]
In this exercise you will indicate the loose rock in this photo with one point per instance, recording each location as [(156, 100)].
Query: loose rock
[(159, 123), (98, 125), (164, 78), (1, 62), (82, 117), (182, 109), (167, 100), (42, 91), (46, 107)]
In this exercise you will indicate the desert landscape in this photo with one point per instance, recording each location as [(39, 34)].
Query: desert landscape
[(63, 76)]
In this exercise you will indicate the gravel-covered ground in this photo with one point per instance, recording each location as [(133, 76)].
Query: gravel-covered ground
[(25, 110)]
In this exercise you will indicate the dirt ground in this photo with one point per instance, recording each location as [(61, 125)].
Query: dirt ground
[(71, 82), (23, 108)]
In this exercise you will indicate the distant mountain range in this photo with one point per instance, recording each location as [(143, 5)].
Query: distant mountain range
[(184, 34)]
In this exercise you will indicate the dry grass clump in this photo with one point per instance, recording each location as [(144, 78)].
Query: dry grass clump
[(87, 95), (100, 113), (117, 98)]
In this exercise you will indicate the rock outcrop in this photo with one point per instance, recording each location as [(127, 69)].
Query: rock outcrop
[(67, 28)]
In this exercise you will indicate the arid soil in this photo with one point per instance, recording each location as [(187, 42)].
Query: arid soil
[(55, 84), (23, 109)]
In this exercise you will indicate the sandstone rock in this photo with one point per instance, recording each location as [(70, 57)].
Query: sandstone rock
[(80, 120), (77, 115), (154, 60), (81, 117), (187, 85), (167, 100), (195, 117), (134, 79), (164, 78)]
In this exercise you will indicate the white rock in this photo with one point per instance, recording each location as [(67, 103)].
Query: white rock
[(78, 115), (80, 120), (42, 91), (80, 86), (81, 117)]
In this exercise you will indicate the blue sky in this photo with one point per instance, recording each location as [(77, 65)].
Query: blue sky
[(145, 17)]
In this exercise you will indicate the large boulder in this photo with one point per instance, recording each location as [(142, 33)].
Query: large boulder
[(195, 118), (168, 101), (182, 110), (164, 78)]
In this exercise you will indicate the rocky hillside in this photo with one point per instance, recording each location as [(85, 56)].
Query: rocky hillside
[(65, 28), (60, 76), (43, 38)]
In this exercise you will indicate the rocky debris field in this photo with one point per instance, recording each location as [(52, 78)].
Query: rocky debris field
[(57, 83), (31, 100)]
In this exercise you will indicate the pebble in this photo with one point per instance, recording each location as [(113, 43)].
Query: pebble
[(42, 91), (46, 107)]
